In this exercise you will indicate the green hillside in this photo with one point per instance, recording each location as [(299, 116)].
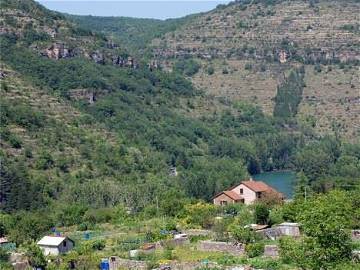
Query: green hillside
[(133, 33), (90, 134)]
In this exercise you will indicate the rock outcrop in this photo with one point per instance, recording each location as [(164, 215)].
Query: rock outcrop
[(58, 51)]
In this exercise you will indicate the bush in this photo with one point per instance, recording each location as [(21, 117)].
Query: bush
[(317, 68), (210, 70), (4, 255), (35, 256), (14, 141), (98, 244), (248, 66), (261, 213), (254, 249), (189, 67), (243, 235)]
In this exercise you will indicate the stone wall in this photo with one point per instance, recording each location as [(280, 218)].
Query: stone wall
[(234, 249), (271, 251), (117, 263)]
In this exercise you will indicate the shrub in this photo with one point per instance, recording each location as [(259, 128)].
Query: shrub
[(4, 255), (243, 235), (98, 244), (317, 68), (261, 213), (28, 152), (248, 66), (189, 67), (35, 256), (14, 141), (210, 70), (254, 249)]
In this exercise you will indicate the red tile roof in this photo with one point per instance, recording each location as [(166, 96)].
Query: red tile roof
[(231, 194), (257, 186)]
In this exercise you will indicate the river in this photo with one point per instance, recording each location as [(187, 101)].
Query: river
[(283, 181)]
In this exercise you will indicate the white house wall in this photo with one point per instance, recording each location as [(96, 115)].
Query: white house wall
[(248, 194)]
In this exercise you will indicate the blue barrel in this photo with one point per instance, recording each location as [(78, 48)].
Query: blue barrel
[(104, 265)]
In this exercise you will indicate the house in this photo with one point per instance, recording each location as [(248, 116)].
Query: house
[(246, 192), (3, 241), (227, 197), (55, 245)]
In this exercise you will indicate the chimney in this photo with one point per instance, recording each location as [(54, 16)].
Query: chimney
[(251, 179)]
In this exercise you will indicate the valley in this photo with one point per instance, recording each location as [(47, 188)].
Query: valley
[(132, 143)]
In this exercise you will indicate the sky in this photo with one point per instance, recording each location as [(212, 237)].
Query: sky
[(160, 9)]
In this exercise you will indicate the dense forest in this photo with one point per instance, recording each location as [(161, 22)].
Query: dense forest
[(85, 163)]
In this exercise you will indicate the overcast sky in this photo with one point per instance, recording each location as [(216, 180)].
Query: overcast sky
[(141, 9)]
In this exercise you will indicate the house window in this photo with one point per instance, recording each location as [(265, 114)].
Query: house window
[(241, 191), (64, 243), (223, 202), (258, 195)]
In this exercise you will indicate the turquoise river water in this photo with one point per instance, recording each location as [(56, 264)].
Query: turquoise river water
[(283, 181)]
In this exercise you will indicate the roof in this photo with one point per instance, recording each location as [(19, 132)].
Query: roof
[(257, 186), (257, 227), (3, 240), (231, 194), (52, 240), (289, 224)]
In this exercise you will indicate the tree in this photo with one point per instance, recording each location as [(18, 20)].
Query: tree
[(172, 202), (35, 255), (302, 188), (325, 221), (243, 235), (261, 213)]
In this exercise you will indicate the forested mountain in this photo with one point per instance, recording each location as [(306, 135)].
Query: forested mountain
[(134, 33), (88, 124), (151, 113)]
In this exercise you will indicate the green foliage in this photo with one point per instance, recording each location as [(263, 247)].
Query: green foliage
[(316, 158), (172, 202), (71, 214), (35, 255), (133, 33), (188, 67), (4, 255), (199, 215), (244, 235), (261, 213), (210, 70), (248, 66), (254, 249), (289, 95), (325, 221)]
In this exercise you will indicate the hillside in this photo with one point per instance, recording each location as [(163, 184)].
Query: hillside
[(100, 144), (246, 48), (149, 113), (134, 34), (157, 119)]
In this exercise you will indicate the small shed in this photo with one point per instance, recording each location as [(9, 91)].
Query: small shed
[(55, 245)]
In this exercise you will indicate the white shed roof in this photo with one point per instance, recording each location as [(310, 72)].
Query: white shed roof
[(51, 241), (289, 224)]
